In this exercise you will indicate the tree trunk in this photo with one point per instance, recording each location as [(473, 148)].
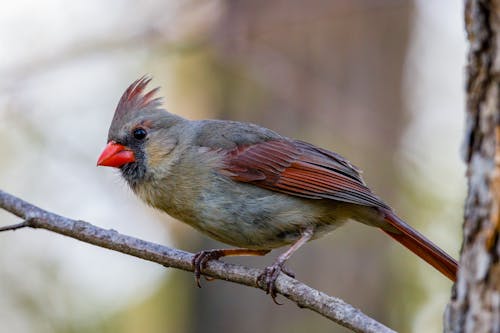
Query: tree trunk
[(475, 303)]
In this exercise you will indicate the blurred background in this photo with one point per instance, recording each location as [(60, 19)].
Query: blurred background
[(380, 82)]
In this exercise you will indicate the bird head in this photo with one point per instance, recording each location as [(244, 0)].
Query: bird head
[(140, 136)]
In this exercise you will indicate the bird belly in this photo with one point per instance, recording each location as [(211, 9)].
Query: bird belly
[(243, 215), (256, 218)]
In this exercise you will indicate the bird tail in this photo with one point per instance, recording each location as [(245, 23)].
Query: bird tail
[(421, 246)]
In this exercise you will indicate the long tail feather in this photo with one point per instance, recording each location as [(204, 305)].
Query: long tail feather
[(421, 246)]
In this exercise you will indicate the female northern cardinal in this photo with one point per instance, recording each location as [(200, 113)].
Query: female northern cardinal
[(245, 185)]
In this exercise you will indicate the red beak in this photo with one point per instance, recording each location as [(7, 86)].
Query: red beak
[(115, 155)]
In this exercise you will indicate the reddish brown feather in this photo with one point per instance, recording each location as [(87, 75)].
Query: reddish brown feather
[(136, 88), (147, 98), (421, 246), (134, 98), (300, 169)]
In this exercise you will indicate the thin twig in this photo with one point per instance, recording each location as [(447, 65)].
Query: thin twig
[(304, 296), (16, 226)]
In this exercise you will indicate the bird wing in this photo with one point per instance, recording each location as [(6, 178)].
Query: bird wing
[(304, 170), (300, 169)]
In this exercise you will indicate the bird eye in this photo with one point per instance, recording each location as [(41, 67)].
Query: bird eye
[(139, 133)]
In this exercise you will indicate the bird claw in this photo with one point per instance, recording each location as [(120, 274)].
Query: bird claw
[(288, 272), (200, 261), (269, 276)]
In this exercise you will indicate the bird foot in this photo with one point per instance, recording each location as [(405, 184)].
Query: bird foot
[(269, 276), (200, 260)]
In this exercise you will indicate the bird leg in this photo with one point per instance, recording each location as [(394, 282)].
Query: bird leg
[(271, 273), (201, 258)]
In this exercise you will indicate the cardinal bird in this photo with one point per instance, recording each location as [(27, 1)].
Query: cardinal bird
[(245, 185)]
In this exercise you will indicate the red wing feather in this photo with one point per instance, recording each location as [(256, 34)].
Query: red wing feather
[(300, 169), (421, 246)]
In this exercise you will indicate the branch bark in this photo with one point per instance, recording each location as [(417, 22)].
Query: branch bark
[(304, 296)]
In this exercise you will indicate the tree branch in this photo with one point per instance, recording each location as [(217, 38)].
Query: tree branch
[(304, 296)]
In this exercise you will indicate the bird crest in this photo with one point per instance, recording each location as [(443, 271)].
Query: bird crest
[(135, 98)]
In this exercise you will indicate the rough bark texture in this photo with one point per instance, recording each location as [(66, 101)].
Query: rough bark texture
[(475, 304)]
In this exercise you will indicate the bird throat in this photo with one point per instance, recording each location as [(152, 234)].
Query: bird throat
[(134, 173)]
